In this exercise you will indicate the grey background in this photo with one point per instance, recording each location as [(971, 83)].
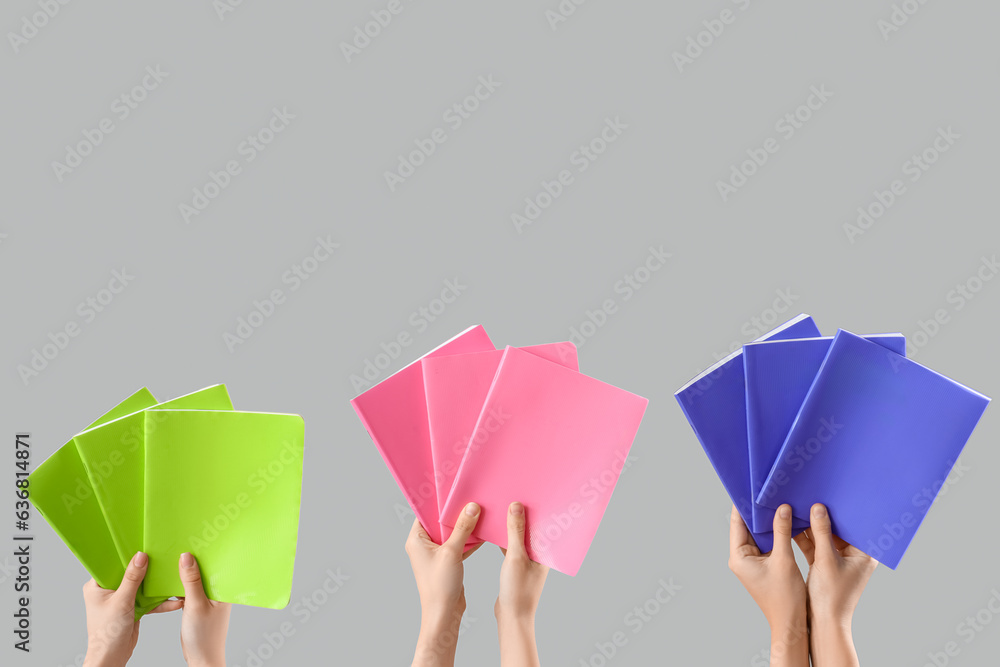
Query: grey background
[(655, 186)]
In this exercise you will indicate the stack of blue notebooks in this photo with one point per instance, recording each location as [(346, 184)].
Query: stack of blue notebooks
[(847, 421)]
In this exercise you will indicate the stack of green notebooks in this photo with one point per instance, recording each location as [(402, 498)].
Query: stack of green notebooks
[(187, 475)]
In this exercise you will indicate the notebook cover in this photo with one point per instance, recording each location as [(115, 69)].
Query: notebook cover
[(394, 412), (778, 376), (876, 432), (225, 486), (555, 440), (112, 454), (61, 492), (456, 387), (715, 406)]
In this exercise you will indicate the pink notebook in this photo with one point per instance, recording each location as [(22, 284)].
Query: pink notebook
[(456, 387), (395, 414), (555, 440)]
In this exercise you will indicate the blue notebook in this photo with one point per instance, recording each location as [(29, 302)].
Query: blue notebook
[(715, 406), (779, 374), (875, 432)]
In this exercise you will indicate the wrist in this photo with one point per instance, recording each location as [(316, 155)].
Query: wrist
[(97, 659), (793, 618), (508, 616), (789, 635), (520, 619), (832, 618), (438, 620), (831, 626)]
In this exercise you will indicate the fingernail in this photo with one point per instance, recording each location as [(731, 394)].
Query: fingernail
[(472, 509), (187, 560), (516, 509), (140, 559), (785, 512), (819, 511)]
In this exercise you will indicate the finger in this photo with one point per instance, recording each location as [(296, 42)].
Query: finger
[(194, 588), (418, 531), (783, 532), (515, 530), (739, 534), (169, 605), (419, 540), (466, 523), (851, 551), (822, 532), (806, 546), (134, 574), (472, 550)]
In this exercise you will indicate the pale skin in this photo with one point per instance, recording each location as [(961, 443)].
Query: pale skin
[(112, 631), (439, 572), (838, 573), (810, 616)]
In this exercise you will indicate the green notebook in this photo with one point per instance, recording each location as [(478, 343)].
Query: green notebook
[(113, 455), (226, 487), (62, 493)]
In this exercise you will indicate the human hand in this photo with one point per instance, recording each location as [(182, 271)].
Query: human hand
[(521, 583), (440, 572), (521, 579), (204, 622), (776, 585), (838, 573), (112, 629)]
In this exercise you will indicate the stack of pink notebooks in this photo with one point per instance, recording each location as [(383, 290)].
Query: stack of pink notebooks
[(467, 422)]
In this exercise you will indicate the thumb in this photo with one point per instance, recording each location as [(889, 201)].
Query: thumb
[(515, 530), (463, 527), (194, 589), (134, 574), (783, 532), (822, 530)]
